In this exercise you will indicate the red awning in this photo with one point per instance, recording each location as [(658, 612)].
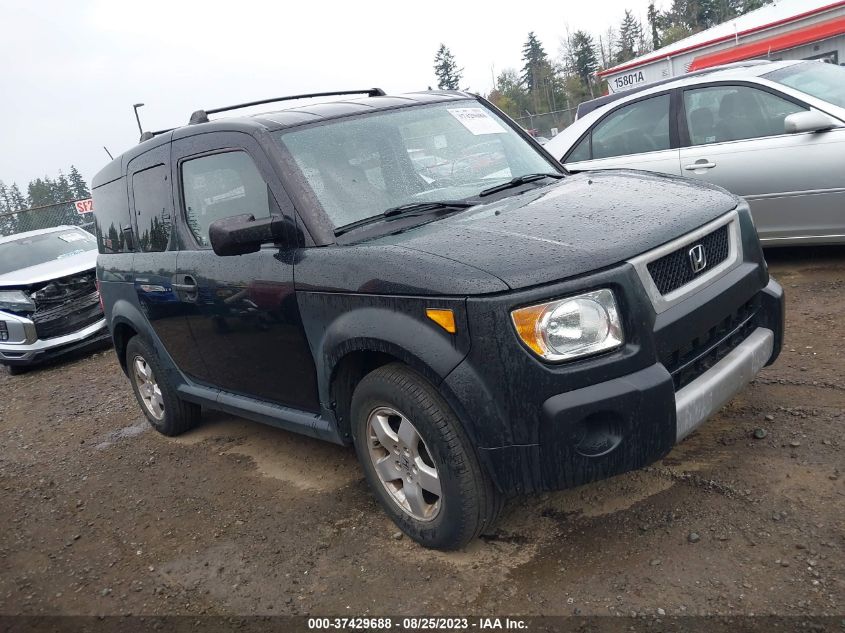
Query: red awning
[(761, 48)]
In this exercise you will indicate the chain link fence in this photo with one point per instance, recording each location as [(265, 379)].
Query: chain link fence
[(549, 123), (71, 212)]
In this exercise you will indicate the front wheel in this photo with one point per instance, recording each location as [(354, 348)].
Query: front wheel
[(418, 461)]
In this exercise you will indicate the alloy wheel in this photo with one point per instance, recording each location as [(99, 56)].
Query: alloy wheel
[(403, 463), (148, 388)]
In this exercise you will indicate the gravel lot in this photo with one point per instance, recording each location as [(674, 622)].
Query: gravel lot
[(101, 515)]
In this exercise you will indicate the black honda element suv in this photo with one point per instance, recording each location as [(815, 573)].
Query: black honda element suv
[(415, 276)]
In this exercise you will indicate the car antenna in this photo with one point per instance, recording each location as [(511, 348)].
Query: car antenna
[(135, 107), (108, 152)]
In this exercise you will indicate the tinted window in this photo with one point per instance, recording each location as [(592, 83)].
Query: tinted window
[(581, 151), (633, 129), (111, 216), (153, 208), (48, 247), (732, 113), (823, 81), (220, 186)]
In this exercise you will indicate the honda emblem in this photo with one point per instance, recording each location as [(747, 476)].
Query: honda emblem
[(697, 258)]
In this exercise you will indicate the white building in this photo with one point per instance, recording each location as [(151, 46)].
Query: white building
[(786, 29)]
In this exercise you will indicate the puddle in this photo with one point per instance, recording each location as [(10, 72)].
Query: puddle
[(126, 432)]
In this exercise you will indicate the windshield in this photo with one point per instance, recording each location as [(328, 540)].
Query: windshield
[(47, 247), (817, 79), (358, 168)]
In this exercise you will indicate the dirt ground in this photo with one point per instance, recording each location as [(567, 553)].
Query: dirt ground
[(101, 515)]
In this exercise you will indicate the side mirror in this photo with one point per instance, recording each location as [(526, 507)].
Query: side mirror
[(242, 234), (810, 121)]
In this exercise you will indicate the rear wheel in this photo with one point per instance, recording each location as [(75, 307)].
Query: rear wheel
[(418, 461), (167, 413)]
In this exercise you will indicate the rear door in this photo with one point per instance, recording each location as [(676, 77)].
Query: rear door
[(733, 136), (243, 312), (637, 135), (151, 206)]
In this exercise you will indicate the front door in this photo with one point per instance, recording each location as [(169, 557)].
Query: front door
[(244, 315), (794, 183)]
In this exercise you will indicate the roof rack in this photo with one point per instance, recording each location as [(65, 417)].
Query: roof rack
[(146, 136), (201, 116), (588, 106)]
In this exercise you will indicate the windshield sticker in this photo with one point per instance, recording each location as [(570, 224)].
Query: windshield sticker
[(72, 237), (72, 253), (477, 121)]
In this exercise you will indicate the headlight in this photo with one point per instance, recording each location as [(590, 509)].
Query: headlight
[(16, 301), (572, 327)]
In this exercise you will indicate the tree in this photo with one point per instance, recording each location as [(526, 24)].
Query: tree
[(78, 184), (446, 69), (630, 36), (580, 55), (536, 62), (18, 200)]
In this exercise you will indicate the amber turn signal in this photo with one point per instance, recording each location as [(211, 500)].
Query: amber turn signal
[(443, 318)]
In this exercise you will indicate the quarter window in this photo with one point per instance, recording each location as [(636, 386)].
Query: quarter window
[(220, 186), (731, 113), (153, 208), (581, 151), (634, 129)]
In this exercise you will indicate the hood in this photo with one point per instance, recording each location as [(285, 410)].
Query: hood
[(48, 271), (582, 223)]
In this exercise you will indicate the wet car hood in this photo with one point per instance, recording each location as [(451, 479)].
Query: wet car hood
[(582, 223), (48, 271)]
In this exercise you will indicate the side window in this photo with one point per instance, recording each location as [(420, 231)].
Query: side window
[(732, 113), (111, 217), (153, 207), (634, 129), (581, 151), (220, 186)]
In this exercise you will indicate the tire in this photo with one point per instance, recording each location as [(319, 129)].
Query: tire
[(168, 414), (468, 503), (16, 370)]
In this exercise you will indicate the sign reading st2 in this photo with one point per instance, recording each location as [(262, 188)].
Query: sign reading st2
[(628, 80)]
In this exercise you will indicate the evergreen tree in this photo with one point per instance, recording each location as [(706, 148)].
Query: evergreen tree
[(18, 199), (630, 35), (581, 57), (62, 191), (446, 69), (78, 184), (5, 199), (536, 62)]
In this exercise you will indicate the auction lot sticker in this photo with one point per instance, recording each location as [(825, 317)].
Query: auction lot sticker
[(477, 121)]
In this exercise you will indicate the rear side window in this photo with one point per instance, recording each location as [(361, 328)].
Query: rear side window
[(111, 217), (731, 113), (220, 186), (634, 129), (153, 208)]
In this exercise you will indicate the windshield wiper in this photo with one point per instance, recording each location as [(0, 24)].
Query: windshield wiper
[(405, 210), (422, 207), (519, 180)]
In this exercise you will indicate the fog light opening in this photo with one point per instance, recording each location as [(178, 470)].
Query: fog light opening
[(598, 434)]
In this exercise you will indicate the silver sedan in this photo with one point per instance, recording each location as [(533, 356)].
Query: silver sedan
[(773, 133)]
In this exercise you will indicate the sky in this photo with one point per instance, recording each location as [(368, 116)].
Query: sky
[(72, 70)]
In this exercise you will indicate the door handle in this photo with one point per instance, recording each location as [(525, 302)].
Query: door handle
[(189, 287), (700, 164)]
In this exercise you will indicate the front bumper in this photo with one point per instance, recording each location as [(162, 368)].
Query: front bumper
[(25, 348), (630, 421)]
